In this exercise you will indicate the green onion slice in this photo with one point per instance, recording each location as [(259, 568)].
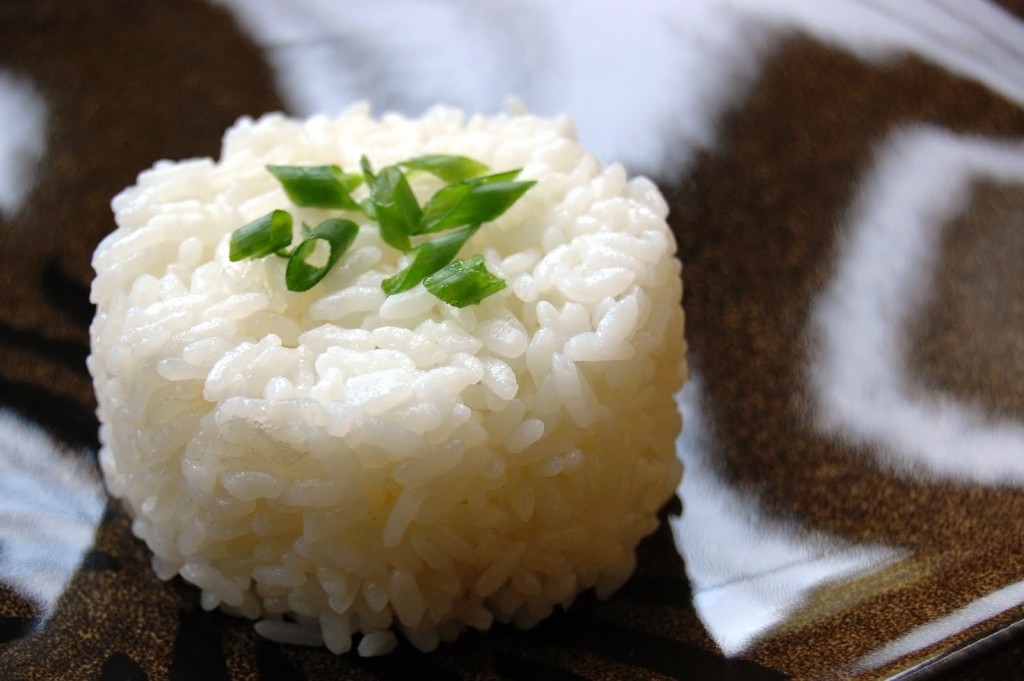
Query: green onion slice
[(431, 256), (262, 236), (478, 200), (447, 167), (395, 206), (464, 282), (447, 198), (469, 200), (367, 204), (364, 164), (369, 209), (318, 186), (337, 234)]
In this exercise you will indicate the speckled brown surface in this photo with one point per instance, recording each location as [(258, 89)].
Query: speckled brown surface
[(977, 313), (758, 244), (106, 125), (758, 218)]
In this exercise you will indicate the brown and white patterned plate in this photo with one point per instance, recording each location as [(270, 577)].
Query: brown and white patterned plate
[(847, 185)]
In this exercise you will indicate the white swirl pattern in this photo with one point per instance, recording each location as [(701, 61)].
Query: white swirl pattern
[(749, 572), (22, 139), (860, 384), (51, 501), (644, 86)]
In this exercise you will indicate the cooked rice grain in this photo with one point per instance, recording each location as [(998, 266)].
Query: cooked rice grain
[(336, 463)]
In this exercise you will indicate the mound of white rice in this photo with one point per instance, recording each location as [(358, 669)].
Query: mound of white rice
[(334, 462)]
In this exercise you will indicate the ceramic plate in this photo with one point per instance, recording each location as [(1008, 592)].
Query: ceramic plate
[(847, 189)]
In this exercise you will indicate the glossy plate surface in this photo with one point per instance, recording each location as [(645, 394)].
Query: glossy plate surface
[(847, 189)]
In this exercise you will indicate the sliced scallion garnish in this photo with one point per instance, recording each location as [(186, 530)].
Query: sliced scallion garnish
[(468, 200), (447, 198), (335, 234), (478, 200), (367, 204), (263, 236), (318, 186), (430, 257), (395, 206), (367, 168), (447, 167), (464, 282)]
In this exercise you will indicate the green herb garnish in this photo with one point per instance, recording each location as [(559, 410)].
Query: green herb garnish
[(430, 257), (481, 199), (395, 207), (334, 234), (262, 236), (446, 167), (470, 199), (318, 186), (464, 282)]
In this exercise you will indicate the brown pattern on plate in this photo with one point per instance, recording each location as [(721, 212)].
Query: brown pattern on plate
[(758, 244), (129, 82), (977, 314)]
